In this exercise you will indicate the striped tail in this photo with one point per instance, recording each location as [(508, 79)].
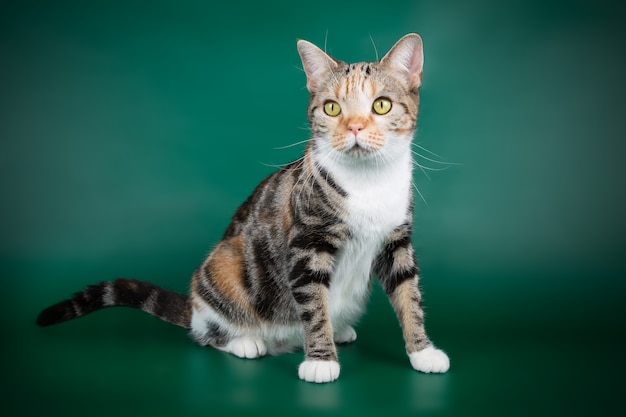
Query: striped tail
[(170, 306)]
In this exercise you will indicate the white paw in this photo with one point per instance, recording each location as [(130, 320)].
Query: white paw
[(246, 347), (347, 335), (319, 371), (429, 360)]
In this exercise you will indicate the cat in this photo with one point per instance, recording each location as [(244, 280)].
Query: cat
[(294, 267)]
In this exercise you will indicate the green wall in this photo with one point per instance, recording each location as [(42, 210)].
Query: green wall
[(131, 130)]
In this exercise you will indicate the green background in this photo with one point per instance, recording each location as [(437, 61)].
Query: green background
[(131, 130)]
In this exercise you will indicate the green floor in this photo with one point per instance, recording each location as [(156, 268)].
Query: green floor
[(121, 362), (131, 130)]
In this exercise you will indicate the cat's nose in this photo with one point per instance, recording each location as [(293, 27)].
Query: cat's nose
[(356, 127)]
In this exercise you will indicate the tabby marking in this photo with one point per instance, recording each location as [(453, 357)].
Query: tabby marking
[(294, 267)]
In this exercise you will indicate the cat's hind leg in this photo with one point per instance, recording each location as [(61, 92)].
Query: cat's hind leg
[(208, 329), (345, 335), (246, 347), (249, 347)]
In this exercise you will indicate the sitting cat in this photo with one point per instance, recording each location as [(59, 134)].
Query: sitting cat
[(294, 267)]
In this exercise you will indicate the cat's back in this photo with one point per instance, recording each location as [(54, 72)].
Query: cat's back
[(269, 205)]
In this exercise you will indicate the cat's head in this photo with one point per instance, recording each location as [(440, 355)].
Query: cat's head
[(364, 110)]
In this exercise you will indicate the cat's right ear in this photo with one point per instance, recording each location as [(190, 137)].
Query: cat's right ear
[(317, 64)]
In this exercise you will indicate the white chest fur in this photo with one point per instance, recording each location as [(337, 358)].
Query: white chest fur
[(378, 201)]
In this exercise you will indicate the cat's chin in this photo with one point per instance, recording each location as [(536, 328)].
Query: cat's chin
[(359, 152)]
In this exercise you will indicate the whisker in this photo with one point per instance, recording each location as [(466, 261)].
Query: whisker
[(419, 192), (292, 145), (429, 168), (326, 40), (379, 155), (279, 166), (374, 45), (301, 182), (330, 68), (421, 168), (433, 160), (385, 156), (424, 149)]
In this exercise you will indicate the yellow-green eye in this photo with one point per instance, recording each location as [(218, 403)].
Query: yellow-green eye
[(332, 108), (381, 105)]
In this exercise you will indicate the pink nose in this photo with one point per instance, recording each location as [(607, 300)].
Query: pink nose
[(355, 128)]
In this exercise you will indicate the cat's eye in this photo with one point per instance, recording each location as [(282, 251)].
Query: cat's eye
[(381, 105), (332, 108)]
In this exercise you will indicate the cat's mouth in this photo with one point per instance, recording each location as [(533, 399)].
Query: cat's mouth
[(358, 151)]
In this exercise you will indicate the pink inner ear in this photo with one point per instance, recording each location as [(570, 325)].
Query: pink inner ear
[(415, 66), (316, 63), (407, 57), (417, 63)]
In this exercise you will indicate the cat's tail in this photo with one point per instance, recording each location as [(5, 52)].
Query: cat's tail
[(168, 305)]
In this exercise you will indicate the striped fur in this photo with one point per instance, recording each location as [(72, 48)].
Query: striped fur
[(293, 269), (165, 304)]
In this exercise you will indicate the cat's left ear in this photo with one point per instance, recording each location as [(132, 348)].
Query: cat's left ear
[(317, 64), (406, 58)]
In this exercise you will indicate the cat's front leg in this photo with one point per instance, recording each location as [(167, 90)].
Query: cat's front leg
[(397, 270), (310, 282), (407, 302)]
